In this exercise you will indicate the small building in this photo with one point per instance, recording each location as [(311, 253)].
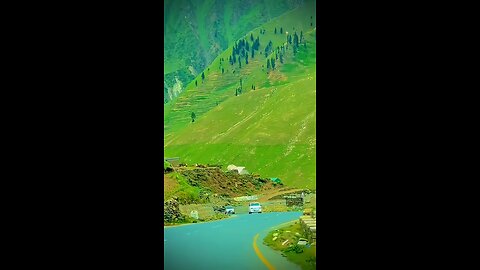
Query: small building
[(175, 161)]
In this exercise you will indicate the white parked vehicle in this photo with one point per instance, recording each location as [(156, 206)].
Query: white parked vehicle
[(254, 207), (229, 210)]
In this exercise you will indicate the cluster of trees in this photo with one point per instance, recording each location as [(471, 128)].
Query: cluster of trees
[(295, 41), (242, 48), (281, 30), (271, 63)]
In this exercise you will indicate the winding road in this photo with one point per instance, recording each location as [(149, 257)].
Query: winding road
[(233, 243)]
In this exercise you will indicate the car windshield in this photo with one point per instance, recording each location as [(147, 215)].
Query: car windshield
[(229, 207), (254, 204)]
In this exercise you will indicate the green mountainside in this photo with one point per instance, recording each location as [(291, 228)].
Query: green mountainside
[(196, 31), (270, 129)]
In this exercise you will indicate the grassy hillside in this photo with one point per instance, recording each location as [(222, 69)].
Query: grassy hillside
[(270, 130), (217, 87), (196, 31)]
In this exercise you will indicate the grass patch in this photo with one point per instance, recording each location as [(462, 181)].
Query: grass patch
[(184, 191), (304, 256)]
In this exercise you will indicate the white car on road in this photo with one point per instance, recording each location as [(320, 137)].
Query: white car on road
[(254, 207), (229, 210)]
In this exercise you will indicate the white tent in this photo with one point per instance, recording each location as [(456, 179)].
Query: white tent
[(241, 170)]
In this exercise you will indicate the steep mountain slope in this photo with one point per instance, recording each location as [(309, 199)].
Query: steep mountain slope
[(270, 130), (195, 31)]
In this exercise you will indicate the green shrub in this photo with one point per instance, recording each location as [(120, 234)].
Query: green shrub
[(294, 248), (167, 167)]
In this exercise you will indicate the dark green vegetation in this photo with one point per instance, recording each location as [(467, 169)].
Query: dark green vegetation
[(258, 116), (305, 256), (197, 185), (196, 31)]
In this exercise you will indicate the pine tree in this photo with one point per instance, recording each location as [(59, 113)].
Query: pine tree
[(276, 56), (246, 59), (281, 30), (253, 52), (268, 64), (239, 62), (281, 58), (273, 63), (203, 76), (223, 70), (196, 83), (275, 30), (193, 116), (257, 43), (247, 46), (251, 37)]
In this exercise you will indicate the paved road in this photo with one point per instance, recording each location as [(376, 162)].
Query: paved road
[(225, 244)]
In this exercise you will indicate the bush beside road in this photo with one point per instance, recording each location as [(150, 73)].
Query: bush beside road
[(285, 239)]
